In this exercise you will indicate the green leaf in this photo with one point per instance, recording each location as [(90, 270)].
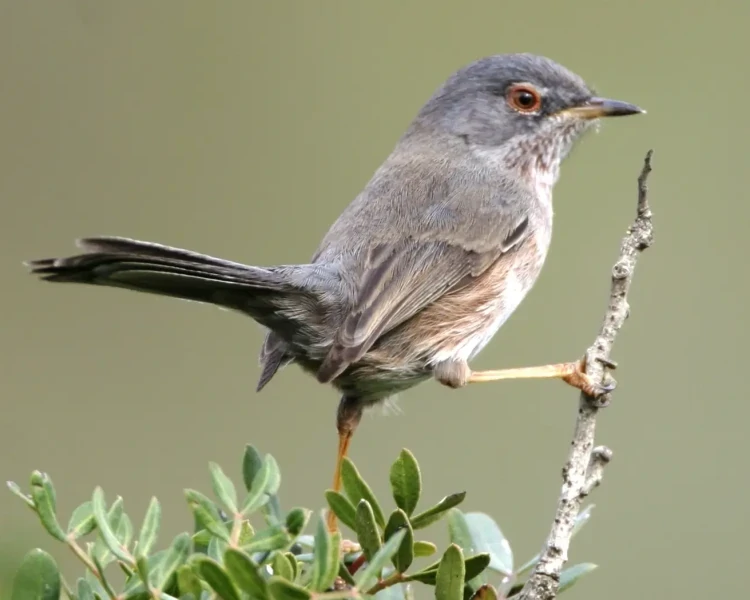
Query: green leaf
[(460, 534), (150, 528), (84, 590), (122, 528), (201, 536), (476, 564), (143, 568), (37, 578), (334, 558), (282, 589), (217, 578), (437, 512), (458, 530), (272, 510), (216, 549), (570, 576), (395, 592), (45, 481), (449, 582), (145, 595), (274, 481), (246, 533), (282, 566), (356, 489), (263, 487), (173, 558), (127, 570), (105, 526), (252, 462), (296, 521), (487, 537), (201, 540), (96, 585), (207, 514), (342, 508), (422, 548), (473, 566), (514, 589), (244, 572), (485, 592), (346, 575), (399, 521), (274, 537), (295, 565), (256, 496), (16, 489), (223, 488), (114, 515), (100, 576), (42, 493), (371, 573), (321, 558), (82, 521), (188, 582), (406, 481), (368, 535), (124, 531)]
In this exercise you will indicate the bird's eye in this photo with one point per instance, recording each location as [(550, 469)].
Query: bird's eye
[(524, 98)]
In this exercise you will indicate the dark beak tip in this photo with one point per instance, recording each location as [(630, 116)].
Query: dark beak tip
[(617, 108), (631, 109)]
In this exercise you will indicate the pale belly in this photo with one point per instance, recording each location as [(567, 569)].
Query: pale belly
[(466, 341), (454, 329), (459, 325)]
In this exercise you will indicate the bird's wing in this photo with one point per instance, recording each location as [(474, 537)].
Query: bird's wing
[(273, 356), (400, 277)]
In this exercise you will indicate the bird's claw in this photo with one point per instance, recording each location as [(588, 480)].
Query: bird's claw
[(578, 378), (609, 364)]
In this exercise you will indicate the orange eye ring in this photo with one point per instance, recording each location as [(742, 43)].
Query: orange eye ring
[(524, 98)]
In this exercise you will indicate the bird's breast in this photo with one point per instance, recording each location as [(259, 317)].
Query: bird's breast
[(460, 324)]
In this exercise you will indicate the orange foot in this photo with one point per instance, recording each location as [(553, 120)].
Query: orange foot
[(578, 378)]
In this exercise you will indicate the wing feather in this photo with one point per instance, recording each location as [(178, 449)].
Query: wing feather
[(399, 281)]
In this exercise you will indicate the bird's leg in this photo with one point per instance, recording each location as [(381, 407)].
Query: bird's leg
[(572, 373), (347, 418)]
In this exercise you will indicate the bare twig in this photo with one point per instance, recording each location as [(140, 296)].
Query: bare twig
[(585, 465)]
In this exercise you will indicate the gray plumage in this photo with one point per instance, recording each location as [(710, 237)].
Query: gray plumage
[(422, 268)]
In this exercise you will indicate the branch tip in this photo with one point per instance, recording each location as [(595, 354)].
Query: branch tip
[(584, 466)]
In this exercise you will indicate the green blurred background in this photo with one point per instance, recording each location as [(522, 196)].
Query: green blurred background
[(242, 129)]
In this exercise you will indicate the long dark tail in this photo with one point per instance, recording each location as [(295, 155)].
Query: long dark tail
[(277, 297)]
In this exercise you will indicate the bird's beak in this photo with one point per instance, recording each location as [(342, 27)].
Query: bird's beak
[(595, 108)]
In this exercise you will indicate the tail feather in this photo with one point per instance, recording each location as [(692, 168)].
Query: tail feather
[(296, 302), (121, 245), (116, 261), (281, 298), (107, 268), (241, 288)]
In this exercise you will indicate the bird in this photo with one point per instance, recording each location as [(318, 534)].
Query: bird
[(422, 268)]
